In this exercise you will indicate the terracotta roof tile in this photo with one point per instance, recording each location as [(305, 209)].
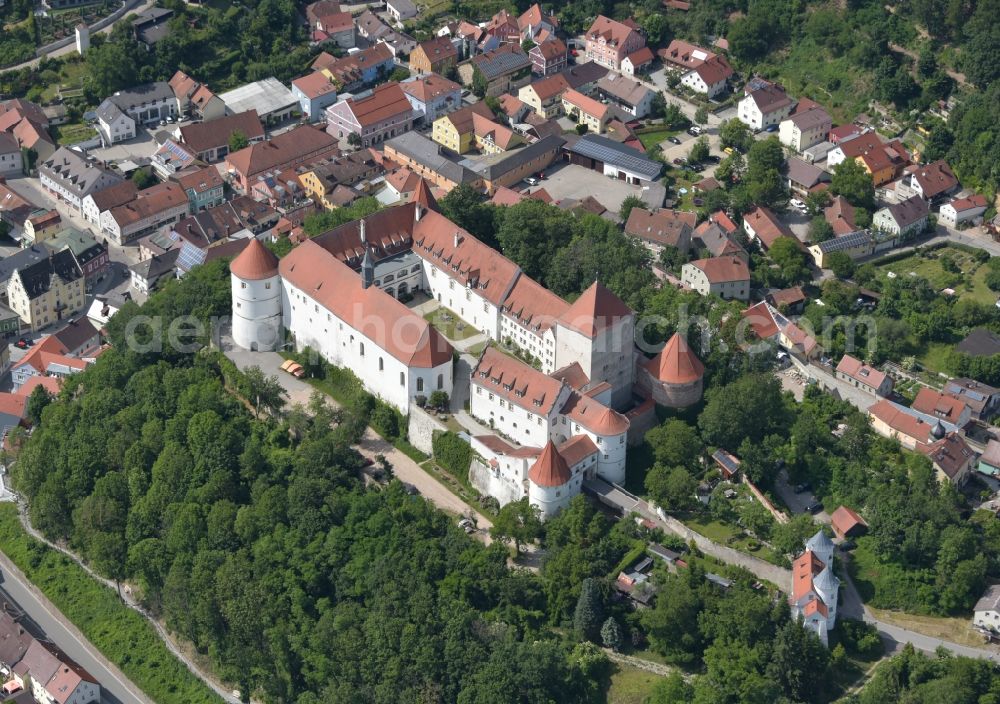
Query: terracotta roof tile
[(516, 382), (676, 363), (254, 263), (550, 469)]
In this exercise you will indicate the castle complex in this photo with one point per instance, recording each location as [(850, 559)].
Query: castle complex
[(563, 419)]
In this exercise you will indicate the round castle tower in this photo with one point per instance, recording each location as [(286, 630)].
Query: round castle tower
[(256, 299), (548, 482)]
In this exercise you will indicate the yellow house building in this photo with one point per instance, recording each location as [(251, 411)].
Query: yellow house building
[(544, 96), (586, 111), (456, 131), (47, 291), (42, 225)]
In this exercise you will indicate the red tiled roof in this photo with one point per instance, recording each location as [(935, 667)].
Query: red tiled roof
[(533, 305), (314, 84), (805, 567), (715, 70), (938, 405), (577, 449), (149, 202), (856, 369), (282, 149), (594, 415), (203, 136), (386, 101), (665, 227), (950, 454), (676, 363), (585, 104), (974, 201), (723, 269), (935, 178), (374, 313), (901, 421), (505, 196), (50, 383), (255, 262), (550, 469), (641, 57), (429, 86), (613, 32), (573, 375), (844, 520), (517, 382), (766, 226), (596, 309), (761, 321)]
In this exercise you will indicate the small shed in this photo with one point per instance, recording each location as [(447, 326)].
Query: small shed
[(847, 523)]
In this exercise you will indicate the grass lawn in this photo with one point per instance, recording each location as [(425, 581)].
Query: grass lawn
[(729, 535), (970, 283), (477, 349), (71, 134), (450, 325), (120, 633), (651, 139), (935, 356), (631, 686)]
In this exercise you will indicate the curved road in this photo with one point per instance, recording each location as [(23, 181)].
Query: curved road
[(115, 687)]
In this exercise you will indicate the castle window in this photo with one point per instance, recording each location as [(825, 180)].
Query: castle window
[(440, 381), (243, 284), (402, 378), (267, 285), (381, 364), (420, 384), (361, 348)]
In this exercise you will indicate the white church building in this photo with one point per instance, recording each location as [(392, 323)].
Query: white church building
[(815, 586)]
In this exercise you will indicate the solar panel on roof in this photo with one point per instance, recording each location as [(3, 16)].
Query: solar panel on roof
[(837, 244), (726, 461), (613, 153)]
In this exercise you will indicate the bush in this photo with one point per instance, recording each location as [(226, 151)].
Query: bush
[(452, 453)]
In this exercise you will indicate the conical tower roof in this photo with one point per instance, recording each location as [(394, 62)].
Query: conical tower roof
[(826, 581), (550, 469), (676, 363), (820, 543), (595, 309), (255, 262)]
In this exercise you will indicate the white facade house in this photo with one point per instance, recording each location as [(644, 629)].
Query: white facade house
[(709, 78), (764, 107), (815, 587), (727, 277), (113, 124), (903, 218), (986, 614), (962, 210), (10, 155), (71, 176), (805, 129)]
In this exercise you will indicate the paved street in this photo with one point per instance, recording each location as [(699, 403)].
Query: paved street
[(116, 688)]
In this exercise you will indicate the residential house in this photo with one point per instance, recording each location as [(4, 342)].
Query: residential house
[(241, 218), (611, 158), (727, 277), (14, 210), (507, 168), (502, 69), (376, 31), (504, 27), (952, 458), (804, 178), (586, 111), (492, 137), (768, 323), (608, 42), (544, 96), (268, 97), (986, 613), (204, 187), (107, 198), (805, 129), (902, 219), (71, 176), (301, 145), (41, 225), (534, 21), (989, 461), (43, 672), (146, 274), (10, 155), (856, 245), (815, 587), (962, 210), (358, 70), (549, 57), (514, 108), (423, 156), (172, 157), (864, 376), (46, 291), (682, 56), (91, 256), (327, 181), (437, 55), (78, 337), (931, 182), (765, 106), (401, 10), (882, 160), (113, 124), (710, 77), (913, 429), (631, 97), (715, 238), (146, 104), (949, 409), (210, 140), (333, 27), (280, 188), (840, 215), (29, 125), (316, 92), (456, 131), (982, 399), (660, 229), (583, 77), (431, 96), (152, 208), (847, 523), (48, 358), (763, 226), (638, 62), (375, 118), (195, 99)]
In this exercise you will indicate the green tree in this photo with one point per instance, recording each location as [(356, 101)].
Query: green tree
[(672, 623), (611, 634), (37, 401), (479, 83), (750, 407), (264, 392), (673, 116), (736, 135), (701, 115), (631, 201), (671, 488), (143, 179), (672, 689), (354, 139), (854, 183), (237, 140), (517, 521), (840, 263), (589, 613), (788, 254), (798, 661), (676, 443), (820, 230), (699, 151)]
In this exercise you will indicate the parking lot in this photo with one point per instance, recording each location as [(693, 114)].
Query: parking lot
[(577, 182)]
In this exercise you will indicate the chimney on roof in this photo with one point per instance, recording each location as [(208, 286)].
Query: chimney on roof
[(364, 237), (458, 238)]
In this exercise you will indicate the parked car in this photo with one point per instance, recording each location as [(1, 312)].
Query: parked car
[(679, 160), (815, 507), (21, 344), (771, 128), (694, 130), (293, 368), (27, 341), (531, 181), (673, 140), (714, 158)]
